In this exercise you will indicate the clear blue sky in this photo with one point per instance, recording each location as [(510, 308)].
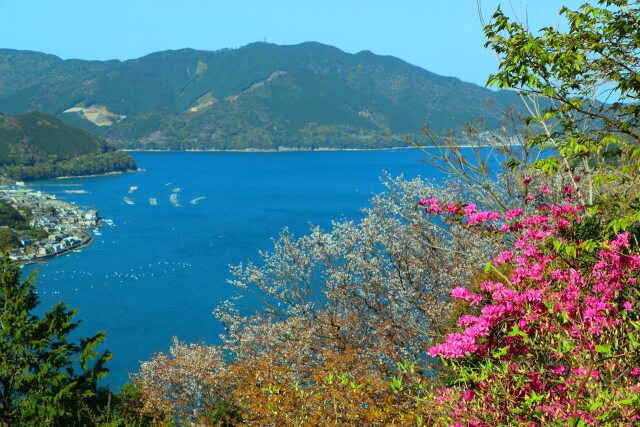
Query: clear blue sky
[(443, 36)]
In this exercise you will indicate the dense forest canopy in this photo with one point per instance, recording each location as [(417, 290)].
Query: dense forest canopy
[(38, 146)]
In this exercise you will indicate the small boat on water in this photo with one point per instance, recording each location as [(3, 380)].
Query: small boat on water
[(127, 201), (153, 201), (177, 190), (96, 232), (133, 188), (197, 199)]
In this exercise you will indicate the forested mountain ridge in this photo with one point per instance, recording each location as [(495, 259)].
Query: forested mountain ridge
[(37, 146), (259, 96)]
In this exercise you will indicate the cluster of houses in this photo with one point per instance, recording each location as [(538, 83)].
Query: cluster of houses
[(65, 224)]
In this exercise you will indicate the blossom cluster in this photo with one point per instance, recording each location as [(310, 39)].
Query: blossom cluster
[(551, 317)]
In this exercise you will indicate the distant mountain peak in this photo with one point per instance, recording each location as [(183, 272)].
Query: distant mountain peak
[(261, 95)]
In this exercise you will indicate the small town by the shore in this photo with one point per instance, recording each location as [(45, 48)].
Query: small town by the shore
[(61, 226)]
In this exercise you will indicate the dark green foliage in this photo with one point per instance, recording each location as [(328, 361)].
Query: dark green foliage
[(90, 164), (119, 409), (11, 217), (8, 238), (32, 71), (44, 378), (38, 146), (36, 136), (262, 95)]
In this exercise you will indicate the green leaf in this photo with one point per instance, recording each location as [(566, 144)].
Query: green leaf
[(487, 267), (499, 353)]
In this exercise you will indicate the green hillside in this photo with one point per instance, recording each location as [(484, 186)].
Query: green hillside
[(37, 146), (258, 96)]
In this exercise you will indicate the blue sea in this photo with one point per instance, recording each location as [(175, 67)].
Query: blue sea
[(160, 271)]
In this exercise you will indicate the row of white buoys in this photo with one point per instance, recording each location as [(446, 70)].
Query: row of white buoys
[(67, 273), (53, 292), (165, 267), (65, 277), (134, 274)]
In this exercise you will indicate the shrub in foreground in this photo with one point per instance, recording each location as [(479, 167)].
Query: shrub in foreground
[(556, 339)]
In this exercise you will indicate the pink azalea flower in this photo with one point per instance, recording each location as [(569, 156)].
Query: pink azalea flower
[(461, 293), (470, 208), (513, 213)]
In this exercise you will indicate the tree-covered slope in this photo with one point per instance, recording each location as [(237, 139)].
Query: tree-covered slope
[(261, 96), (37, 145)]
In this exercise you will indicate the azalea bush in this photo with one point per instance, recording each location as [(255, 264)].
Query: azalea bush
[(554, 337)]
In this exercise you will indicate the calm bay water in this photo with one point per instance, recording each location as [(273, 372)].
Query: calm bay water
[(161, 270)]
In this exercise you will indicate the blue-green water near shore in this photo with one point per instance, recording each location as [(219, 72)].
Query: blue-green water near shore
[(161, 270)]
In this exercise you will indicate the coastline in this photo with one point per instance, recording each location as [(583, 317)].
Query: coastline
[(100, 174), (255, 150), (290, 150), (260, 150), (41, 260)]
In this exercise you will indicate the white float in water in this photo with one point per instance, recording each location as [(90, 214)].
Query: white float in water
[(174, 200)]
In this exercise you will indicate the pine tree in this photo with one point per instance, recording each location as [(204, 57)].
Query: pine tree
[(44, 378)]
